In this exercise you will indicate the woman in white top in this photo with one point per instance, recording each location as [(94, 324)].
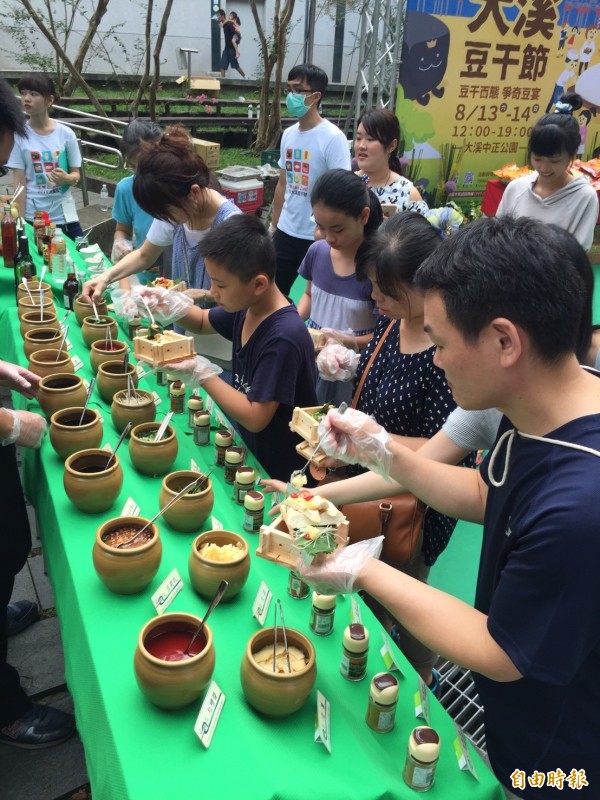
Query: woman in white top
[(376, 152)]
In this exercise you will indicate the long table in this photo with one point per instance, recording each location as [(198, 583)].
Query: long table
[(135, 751)]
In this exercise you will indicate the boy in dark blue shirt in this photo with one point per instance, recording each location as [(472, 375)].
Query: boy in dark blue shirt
[(273, 362)]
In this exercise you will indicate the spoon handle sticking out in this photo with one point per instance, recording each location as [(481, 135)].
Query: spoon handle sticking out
[(222, 588), (87, 399), (118, 444), (163, 426)]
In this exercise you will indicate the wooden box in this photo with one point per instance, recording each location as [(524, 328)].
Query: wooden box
[(306, 451), (164, 349), (278, 545), (305, 425), (209, 152)]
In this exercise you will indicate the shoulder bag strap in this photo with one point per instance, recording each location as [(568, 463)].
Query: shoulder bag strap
[(359, 388)]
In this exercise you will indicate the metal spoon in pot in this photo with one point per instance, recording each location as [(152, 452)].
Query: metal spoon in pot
[(215, 602)]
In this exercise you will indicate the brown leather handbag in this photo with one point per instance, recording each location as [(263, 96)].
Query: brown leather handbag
[(399, 519)]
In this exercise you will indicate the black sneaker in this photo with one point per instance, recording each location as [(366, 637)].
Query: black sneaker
[(20, 615), (41, 726)]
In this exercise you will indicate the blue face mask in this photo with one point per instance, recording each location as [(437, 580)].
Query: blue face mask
[(295, 105)]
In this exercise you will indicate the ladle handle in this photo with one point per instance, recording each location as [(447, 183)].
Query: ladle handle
[(87, 399), (118, 444), (215, 601), (164, 508)]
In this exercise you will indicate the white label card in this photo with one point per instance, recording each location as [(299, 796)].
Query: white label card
[(108, 447), (216, 524), (463, 756), (77, 363), (387, 654), (68, 345), (194, 467), (209, 404), (140, 371), (130, 509), (167, 592), (210, 711), (157, 398), (422, 702), (262, 601), (323, 722), (86, 384), (224, 422), (355, 611)]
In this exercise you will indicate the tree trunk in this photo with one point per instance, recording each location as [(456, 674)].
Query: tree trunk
[(269, 125), (146, 76), (159, 43), (94, 24), (67, 61)]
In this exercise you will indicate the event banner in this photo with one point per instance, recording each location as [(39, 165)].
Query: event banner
[(474, 78)]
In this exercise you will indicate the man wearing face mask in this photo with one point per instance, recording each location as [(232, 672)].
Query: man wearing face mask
[(308, 149)]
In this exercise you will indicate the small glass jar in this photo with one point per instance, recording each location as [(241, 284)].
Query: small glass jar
[(202, 428), (195, 403), (177, 396), (234, 456), (383, 697), (244, 482), (223, 440), (355, 650), (254, 509), (322, 613), (134, 326), (296, 587), (422, 756)]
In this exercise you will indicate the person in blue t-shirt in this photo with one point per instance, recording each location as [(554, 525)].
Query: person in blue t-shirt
[(503, 306), (273, 360)]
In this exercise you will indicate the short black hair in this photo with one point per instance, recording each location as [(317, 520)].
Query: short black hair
[(508, 267), (37, 82), (395, 252), (314, 76), (558, 132), (12, 118), (242, 245)]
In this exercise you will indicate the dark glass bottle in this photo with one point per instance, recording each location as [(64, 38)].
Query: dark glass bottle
[(9, 238), (23, 262), (70, 290)]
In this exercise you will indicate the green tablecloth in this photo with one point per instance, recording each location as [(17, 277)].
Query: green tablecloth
[(135, 751)]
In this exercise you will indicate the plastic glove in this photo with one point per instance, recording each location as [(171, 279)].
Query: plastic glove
[(28, 429), (124, 304), (18, 378), (345, 338), (337, 363), (355, 438), (194, 371), (164, 305), (120, 248), (339, 571)]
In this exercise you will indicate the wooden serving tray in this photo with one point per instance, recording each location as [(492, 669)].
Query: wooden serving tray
[(278, 545), (171, 347), (305, 425), (306, 450)]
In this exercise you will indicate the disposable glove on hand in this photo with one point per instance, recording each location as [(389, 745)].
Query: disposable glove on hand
[(120, 248), (28, 429), (345, 338), (337, 363), (355, 438), (166, 306), (339, 571), (124, 304), (194, 371)]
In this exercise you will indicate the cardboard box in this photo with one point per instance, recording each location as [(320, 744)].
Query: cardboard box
[(209, 152), (212, 86)]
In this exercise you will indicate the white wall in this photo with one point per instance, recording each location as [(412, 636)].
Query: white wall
[(190, 26)]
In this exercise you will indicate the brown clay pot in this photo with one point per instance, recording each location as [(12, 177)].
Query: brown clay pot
[(26, 303), (126, 570), (34, 289), (206, 574), (111, 379), (89, 485), (93, 330), (173, 684), (103, 351), (41, 339), (60, 391), (152, 458), (190, 512), (277, 694), (136, 409), (67, 436), (51, 362), (83, 308), (33, 320)]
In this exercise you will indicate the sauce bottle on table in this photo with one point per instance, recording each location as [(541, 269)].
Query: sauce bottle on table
[(70, 290), (421, 758), (23, 262), (58, 254), (9, 238)]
